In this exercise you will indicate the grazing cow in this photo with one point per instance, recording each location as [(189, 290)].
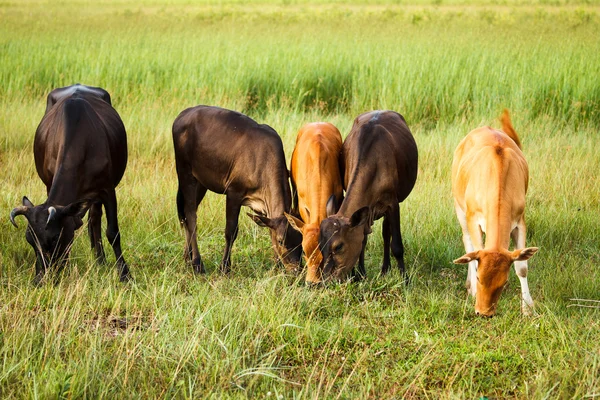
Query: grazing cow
[(229, 153), (316, 177), (489, 182), (380, 169), (80, 152)]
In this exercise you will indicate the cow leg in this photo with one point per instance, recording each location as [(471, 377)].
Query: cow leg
[(40, 269), (397, 246), (61, 266), (191, 240), (518, 235), (476, 238), (386, 233), (232, 213), (114, 235), (471, 283), (95, 231), (189, 196), (361, 273)]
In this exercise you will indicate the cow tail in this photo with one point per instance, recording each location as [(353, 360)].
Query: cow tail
[(180, 205), (508, 128)]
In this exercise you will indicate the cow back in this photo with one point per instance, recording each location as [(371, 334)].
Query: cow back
[(228, 152), (81, 141), (315, 169), (489, 182), (380, 161)]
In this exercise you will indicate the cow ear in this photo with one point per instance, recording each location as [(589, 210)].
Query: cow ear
[(261, 220), (296, 223), (27, 202), (360, 217), (77, 209), (467, 258), (331, 207), (524, 254)]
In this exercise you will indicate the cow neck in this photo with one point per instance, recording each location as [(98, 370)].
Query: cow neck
[(278, 197), (498, 227), (498, 208), (355, 197), (64, 189)]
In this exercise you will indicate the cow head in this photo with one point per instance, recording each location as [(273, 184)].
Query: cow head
[(285, 240), (492, 275), (341, 241), (310, 246), (50, 230)]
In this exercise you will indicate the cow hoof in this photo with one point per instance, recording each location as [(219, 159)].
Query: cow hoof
[(225, 269), (37, 281), (406, 278), (314, 285), (293, 271), (385, 269), (527, 311)]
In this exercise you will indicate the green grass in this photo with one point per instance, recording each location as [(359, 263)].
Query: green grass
[(448, 66)]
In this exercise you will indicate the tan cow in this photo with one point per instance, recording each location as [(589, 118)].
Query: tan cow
[(489, 182), (316, 177)]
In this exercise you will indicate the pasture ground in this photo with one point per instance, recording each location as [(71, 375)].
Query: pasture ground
[(448, 66)]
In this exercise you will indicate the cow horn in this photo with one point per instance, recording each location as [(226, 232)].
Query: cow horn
[(51, 214), (21, 210)]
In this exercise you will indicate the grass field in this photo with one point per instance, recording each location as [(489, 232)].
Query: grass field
[(448, 66)]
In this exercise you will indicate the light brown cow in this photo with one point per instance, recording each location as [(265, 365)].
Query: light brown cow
[(316, 177), (489, 182)]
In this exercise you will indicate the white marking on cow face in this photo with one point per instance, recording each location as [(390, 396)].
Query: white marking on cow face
[(256, 205)]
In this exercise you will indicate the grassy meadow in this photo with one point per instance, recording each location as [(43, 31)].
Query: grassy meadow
[(448, 66)]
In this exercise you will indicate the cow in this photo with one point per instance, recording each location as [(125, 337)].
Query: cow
[(489, 181), (380, 161), (315, 173), (229, 153), (80, 152)]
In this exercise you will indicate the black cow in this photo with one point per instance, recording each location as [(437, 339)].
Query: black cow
[(380, 170), (229, 153), (80, 152)]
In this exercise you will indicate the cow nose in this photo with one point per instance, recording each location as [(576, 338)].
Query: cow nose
[(313, 285), (479, 314)]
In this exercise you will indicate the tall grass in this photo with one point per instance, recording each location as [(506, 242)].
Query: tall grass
[(259, 333), (434, 66)]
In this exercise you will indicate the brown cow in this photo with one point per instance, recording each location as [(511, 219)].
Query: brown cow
[(316, 177), (489, 182)]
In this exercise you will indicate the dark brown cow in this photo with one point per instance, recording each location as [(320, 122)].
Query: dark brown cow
[(380, 170), (229, 153), (80, 152)]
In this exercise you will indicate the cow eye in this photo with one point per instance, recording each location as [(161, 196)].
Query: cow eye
[(338, 247)]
